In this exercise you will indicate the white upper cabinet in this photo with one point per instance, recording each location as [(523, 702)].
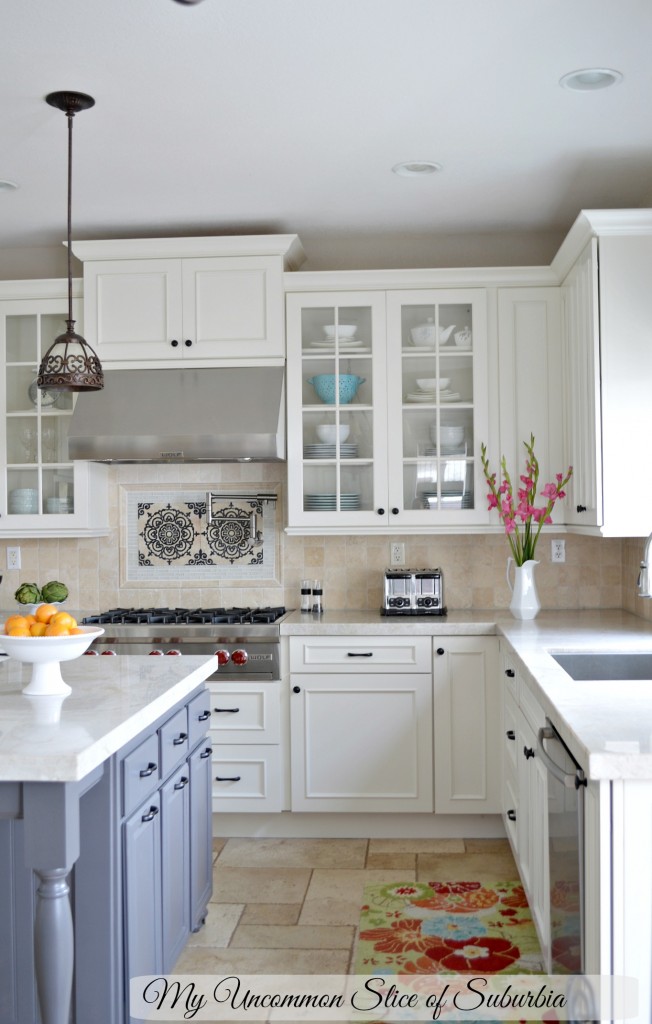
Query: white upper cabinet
[(606, 263), (42, 493), (387, 406), (204, 300)]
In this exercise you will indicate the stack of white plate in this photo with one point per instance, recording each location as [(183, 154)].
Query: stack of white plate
[(328, 502), (23, 501), (329, 451), (445, 451), (445, 395), (353, 345), (53, 505)]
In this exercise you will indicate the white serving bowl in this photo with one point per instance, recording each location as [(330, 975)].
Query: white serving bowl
[(447, 435), (44, 654), (433, 383), (30, 609), (341, 330), (329, 432)]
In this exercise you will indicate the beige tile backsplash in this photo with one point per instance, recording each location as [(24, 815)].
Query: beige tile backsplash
[(598, 572)]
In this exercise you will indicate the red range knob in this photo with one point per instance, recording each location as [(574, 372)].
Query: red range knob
[(223, 657), (109, 652), (239, 657), (175, 651), (156, 652), (95, 653)]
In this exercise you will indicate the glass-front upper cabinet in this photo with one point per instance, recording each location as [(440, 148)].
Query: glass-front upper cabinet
[(41, 490), (337, 430), (438, 402)]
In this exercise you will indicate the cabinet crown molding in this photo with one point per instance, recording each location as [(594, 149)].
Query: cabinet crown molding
[(289, 247), (594, 223)]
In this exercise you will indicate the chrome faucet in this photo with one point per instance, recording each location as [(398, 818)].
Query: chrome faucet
[(644, 577)]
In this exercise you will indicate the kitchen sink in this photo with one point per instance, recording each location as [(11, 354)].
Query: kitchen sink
[(612, 665)]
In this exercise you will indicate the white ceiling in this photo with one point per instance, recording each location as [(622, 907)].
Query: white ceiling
[(241, 116)]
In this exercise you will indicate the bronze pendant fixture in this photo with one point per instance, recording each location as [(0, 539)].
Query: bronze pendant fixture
[(70, 364)]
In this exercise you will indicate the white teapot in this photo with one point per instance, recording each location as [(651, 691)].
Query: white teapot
[(427, 334)]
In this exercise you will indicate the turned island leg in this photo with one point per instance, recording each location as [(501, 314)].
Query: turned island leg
[(53, 945)]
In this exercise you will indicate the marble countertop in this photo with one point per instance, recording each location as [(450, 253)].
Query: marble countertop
[(607, 724), (62, 739)]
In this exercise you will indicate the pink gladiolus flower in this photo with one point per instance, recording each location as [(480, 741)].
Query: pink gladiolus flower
[(549, 491), (493, 503), (509, 526)]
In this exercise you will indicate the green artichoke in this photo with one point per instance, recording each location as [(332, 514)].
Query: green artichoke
[(28, 593), (54, 591)]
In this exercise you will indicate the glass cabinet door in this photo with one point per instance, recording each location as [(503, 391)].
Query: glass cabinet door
[(38, 477), (437, 381), (336, 398)]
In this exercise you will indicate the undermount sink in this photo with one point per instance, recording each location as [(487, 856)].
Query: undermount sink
[(614, 665)]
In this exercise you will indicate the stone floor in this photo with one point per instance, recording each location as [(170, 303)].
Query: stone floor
[(291, 906)]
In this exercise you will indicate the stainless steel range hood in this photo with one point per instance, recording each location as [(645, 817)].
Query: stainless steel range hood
[(182, 415)]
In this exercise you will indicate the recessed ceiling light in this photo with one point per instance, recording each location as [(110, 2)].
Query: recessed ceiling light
[(415, 168), (7, 186), (588, 79)]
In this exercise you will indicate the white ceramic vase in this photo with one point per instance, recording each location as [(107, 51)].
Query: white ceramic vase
[(525, 601)]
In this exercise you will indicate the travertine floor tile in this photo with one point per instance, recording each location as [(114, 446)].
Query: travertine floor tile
[(218, 846), (488, 846), (259, 885), (200, 960), (416, 846), (327, 911), (392, 861), (471, 867), (221, 922), (312, 853), (298, 937), (271, 913), (349, 885)]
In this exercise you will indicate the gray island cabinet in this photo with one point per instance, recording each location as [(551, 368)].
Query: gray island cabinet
[(105, 833)]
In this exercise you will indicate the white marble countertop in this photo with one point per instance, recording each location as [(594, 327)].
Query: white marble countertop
[(607, 725), (62, 739)]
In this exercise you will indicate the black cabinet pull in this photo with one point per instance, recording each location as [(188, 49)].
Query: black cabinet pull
[(151, 768), (174, 343), (359, 654), (228, 778), (204, 715), (394, 511), (181, 738), (511, 735), (528, 751), (511, 815), (581, 508), (150, 816), (510, 672), (296, 689), (207, 752), (183, 781), (224, 711), (187, 343), (380, 511), (440, 650)]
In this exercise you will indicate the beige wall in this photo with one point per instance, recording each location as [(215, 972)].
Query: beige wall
[(598, 573)]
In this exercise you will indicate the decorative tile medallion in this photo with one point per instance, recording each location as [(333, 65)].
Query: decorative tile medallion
[(169, 536)]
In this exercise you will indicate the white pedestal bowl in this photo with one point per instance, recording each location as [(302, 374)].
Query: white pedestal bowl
[(45, 653)]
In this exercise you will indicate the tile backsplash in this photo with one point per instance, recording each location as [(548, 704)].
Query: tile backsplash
[(101, 572)]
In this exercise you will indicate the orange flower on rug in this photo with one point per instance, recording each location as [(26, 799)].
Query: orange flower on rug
[(447, 928)]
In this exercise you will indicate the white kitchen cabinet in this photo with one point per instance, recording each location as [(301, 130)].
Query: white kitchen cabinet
[(42, 493), (407, 458), (361, 724), (607, 309), (246, 736), (199, 300), (466, 704)]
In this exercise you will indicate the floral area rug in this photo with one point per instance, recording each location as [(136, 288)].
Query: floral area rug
[(447, 928)]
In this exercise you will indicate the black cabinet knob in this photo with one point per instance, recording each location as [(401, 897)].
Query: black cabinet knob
[(380, 511), (296, 689), (509, 672), (581, 508), (187, 343), (511, 815), (394, 511), (174, 343), (511, 735), (440, 650), (528, 752)]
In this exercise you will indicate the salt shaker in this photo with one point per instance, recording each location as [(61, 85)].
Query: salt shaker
[(317, 597), (306, 596)]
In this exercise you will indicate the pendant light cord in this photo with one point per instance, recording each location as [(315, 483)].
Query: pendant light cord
[(70, 114)]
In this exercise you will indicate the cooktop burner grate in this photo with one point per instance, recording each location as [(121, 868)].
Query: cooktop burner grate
[(185, 616)]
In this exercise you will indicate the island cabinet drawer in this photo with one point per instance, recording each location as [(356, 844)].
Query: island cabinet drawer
[(199, 715), (245, 713), (361, 654), (140, 773), (173, 736)]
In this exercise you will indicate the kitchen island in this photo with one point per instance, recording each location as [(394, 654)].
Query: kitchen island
[(73, 771)]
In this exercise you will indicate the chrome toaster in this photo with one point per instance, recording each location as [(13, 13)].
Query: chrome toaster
[(413, 592)]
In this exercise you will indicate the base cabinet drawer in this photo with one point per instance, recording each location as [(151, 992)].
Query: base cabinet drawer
[(360, 654), (245, 713), (247, 777)]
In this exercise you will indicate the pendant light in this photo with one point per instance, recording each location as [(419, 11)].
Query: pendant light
[(70, 363)]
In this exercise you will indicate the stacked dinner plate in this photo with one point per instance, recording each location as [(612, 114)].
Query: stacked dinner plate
[(352, 346), (328, 502), (23, 501), (445, 451), (443, 395), (329, 451), (58, 505)]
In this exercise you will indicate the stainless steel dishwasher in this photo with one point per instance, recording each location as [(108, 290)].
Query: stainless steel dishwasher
[(566, 784)]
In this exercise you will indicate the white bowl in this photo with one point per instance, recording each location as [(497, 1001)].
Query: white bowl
[(329, 432), (29, 609), (44, 654), (455, 436), (433, 383), (341, 330)]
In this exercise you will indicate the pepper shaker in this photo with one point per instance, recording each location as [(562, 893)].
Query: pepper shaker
[(306, 596), (317, 597)]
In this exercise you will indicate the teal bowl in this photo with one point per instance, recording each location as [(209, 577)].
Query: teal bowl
[(324, 385)]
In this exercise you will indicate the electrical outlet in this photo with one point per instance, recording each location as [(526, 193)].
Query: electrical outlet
[(13, 558), (397, 553), (558, 550)]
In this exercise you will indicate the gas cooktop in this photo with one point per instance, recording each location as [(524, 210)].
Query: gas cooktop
[(185, 616)]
